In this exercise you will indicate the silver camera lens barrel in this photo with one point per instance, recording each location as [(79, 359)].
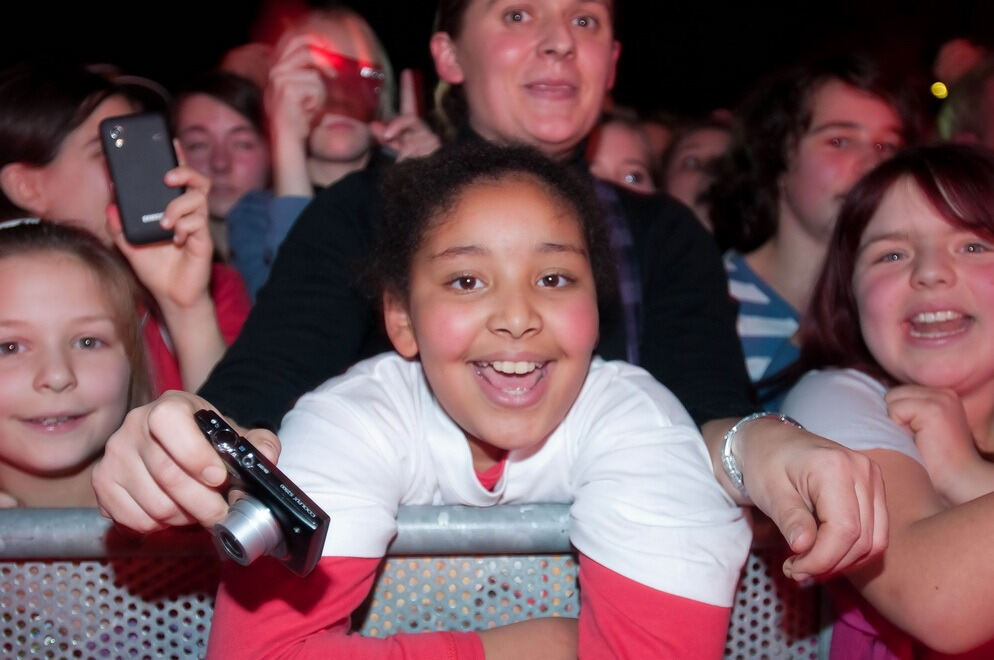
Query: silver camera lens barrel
[(248, 532)]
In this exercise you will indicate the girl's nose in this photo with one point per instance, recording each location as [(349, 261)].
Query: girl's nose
[(870, 156), (55, 372), (556, 38), (932, 267), (515, 315), (220, 160)]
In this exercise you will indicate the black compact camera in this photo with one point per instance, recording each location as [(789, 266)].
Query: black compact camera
[(273, 517)]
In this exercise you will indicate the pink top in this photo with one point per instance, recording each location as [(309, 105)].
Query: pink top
[(861, 633), (231, 306)]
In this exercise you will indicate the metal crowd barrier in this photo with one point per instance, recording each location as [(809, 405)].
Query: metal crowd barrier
[(74, 586)]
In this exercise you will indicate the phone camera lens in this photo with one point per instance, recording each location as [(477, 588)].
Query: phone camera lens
[(116, 132)]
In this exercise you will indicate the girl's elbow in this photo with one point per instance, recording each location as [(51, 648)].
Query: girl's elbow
[(950, 630)]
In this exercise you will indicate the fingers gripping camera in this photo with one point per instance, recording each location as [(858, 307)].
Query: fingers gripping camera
[(273, 517)]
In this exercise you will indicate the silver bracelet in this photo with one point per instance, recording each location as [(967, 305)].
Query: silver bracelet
[(728, 462)]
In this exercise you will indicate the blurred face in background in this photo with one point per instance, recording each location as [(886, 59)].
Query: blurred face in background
[(686, 175), (850, 132), (619, 153), (336, 136), (221, 143)]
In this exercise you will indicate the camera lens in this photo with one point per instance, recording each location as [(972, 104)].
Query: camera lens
[(248, 532), (225, 437), (116, 132), (231, 545)]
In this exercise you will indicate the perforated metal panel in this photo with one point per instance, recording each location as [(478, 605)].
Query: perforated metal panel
[(415, 594), (160, 607), (772, 617), (128, 608)]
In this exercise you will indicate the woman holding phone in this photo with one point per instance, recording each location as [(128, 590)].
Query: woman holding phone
[(52, 167)]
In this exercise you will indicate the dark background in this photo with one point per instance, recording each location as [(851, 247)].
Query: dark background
[(684, 57)]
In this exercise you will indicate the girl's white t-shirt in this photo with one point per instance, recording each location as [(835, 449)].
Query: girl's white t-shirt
[(848, 407), (628, 457)]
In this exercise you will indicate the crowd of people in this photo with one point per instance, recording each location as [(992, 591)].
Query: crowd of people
[(524, 297)]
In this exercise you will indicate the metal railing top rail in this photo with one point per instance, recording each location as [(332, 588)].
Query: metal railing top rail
[(422, 530)]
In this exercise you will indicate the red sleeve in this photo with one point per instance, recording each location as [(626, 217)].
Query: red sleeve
[(231, 301), (620, 618), (264, 611)]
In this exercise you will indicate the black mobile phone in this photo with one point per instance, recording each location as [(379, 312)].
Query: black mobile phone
[(139, 151), (274, 517)]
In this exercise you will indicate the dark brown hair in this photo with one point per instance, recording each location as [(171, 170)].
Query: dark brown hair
[(744, 198), (238, 93)]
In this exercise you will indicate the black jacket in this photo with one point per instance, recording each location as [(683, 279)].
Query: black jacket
[(311, 322)]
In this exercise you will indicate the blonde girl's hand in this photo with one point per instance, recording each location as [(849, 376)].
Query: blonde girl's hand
[(177, 274), (8, 501), (943, 436), (406, 134), (295, 93)]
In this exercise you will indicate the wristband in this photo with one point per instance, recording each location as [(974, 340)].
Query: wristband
[(728, 462)]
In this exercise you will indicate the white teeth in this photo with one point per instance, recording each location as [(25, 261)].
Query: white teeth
[(509, 367), (936, 317), (52, 421)]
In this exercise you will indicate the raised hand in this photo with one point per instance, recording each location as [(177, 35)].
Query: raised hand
[(406, 134), (938, 421), (178, 273)]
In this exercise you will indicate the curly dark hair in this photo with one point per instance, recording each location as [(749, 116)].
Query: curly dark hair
[(417, 193), (744, 198)]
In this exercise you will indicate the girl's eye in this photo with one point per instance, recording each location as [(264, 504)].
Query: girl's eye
[(554, 280), (585, 21), (634, 178), (9, 347), (515, 16), (89, 342), (888, 148), (246, 145), (976, 248), (691, 164), (889, 256), (193, 147), (839, 142), (466, 283)]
